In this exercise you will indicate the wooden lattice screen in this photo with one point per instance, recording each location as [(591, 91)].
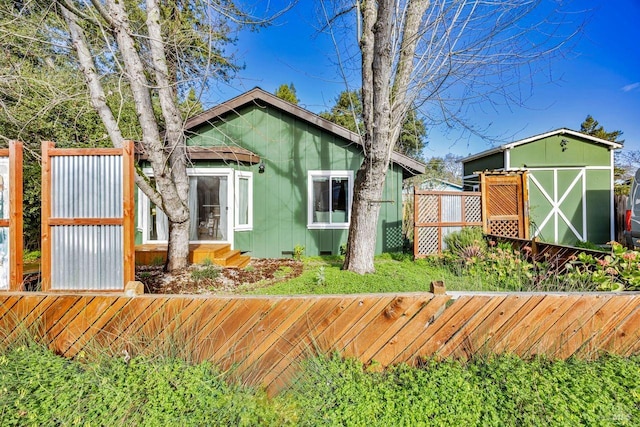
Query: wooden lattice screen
[(438, 213), (504, 203), (87, 218), (11, 217)]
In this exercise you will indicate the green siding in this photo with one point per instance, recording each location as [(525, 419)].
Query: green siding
[(548, 152), (599, 205), (289, 148), (490, 162)]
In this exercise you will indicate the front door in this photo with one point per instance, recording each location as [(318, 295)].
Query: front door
[(209, 207)]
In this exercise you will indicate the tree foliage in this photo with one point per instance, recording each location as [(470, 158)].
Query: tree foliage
[(44, 95), (590, 126), (347, 112), (288, 93)]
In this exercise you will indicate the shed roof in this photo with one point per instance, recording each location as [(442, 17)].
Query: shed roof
[(562, 131), (256, 95)]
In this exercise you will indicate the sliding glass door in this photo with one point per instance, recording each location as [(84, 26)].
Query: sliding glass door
[(210, 205), (209, 208)]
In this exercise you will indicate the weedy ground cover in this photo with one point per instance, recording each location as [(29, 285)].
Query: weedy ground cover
[(41, 388)]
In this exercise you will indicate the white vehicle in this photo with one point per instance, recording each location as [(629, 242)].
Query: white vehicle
[(632, 215)]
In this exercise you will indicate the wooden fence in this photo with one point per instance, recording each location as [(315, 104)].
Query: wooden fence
[(438, 213), (264, 339), (556, 256)]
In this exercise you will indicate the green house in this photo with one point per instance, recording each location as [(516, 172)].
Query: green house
[(570, 183), (267, 175)]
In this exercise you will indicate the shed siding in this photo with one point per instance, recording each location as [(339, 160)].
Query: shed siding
[(548, 152), (491, 162), (599, 206), (289, 148)]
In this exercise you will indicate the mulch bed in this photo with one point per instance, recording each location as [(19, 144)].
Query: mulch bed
[(211, 279)]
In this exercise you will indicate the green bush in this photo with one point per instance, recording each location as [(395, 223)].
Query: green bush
[(466, 244), (501, 391)]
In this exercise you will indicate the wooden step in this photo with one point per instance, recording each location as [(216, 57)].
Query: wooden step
[(240, 261), (199, 253)]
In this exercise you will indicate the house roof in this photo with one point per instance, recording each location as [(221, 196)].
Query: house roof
[(226, 153), (261, 97), (562, 131)]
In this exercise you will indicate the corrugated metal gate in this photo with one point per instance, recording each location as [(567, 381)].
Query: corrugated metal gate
[(438, 213), (504, 203), (87, 218)]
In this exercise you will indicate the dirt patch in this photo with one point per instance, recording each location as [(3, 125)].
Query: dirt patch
[(212, 279)]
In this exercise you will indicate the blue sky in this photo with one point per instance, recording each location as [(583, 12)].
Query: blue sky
[(600, 76)]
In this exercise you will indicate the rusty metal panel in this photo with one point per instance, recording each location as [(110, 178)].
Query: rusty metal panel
[(86, 257)]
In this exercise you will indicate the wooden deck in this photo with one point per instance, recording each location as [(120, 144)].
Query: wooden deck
[(218, 253)]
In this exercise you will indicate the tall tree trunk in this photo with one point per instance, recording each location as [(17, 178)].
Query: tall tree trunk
[(384, 104), (365, 212), (376, 75), (169, 171)]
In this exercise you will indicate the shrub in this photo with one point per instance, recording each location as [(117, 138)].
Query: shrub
[(466, 244)]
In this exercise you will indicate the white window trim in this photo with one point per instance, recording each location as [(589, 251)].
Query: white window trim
[(328, 174), (144, 201), (249, 225)]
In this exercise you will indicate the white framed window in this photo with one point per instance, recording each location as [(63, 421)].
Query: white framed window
[(329, 199), (244, 201), (211, 207)]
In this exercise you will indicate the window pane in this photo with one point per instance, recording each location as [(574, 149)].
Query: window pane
[(320, 199), (339, 200), (243, 201)]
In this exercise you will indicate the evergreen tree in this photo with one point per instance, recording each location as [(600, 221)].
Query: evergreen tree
[(347, 112), (288, 93), (590, 126)]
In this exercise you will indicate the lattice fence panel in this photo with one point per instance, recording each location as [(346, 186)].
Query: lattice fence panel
[(473, 209), (428, 206), (428, 238), (503, 199), (438, 213), (507, 228)]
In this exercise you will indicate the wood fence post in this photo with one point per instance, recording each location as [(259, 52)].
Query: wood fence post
[(128, 212), (16, 244), (45, 259)]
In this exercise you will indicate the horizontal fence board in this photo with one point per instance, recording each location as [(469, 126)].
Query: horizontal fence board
[(263, 340)]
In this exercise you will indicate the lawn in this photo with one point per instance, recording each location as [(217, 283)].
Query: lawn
[(394, 273)]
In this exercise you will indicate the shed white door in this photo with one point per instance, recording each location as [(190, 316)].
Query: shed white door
[(557, 203)]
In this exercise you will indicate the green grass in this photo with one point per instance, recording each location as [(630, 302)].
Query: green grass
[(394, 273), (41, 388)]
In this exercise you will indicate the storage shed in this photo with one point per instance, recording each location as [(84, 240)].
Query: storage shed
[(570, 183)]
